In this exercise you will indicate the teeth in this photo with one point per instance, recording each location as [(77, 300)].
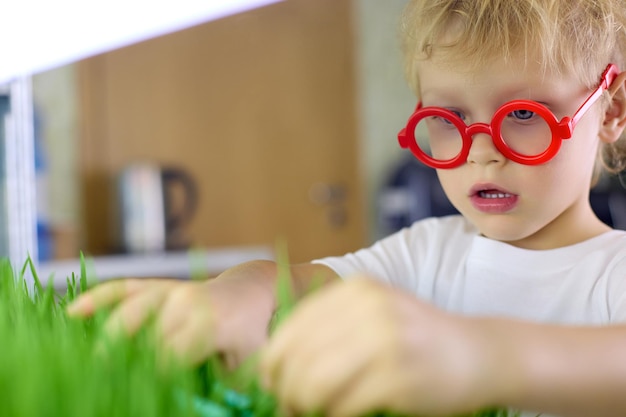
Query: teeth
[(491, 194)]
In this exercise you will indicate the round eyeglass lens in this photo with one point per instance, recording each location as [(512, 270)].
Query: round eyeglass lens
[(526, 132), (439, 137)]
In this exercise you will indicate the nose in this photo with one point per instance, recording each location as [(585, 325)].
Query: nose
[(483, 151)]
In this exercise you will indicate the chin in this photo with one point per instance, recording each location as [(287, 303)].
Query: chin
[(502, 236), (503, 229)]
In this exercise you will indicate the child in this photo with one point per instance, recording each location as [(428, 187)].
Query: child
[(520, 302)]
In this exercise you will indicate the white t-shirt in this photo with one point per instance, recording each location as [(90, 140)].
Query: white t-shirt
[(446, 261)]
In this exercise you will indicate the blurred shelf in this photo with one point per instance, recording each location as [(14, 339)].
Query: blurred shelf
[(181, 265)]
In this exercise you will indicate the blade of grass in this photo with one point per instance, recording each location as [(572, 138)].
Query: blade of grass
[(71, 288), (38, 286), (285, 295), (83, 273), (197, 265)]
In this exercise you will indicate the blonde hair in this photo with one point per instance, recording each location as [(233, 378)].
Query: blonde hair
[(580, 36)]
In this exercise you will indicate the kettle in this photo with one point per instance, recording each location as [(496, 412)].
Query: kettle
[(155, 203)]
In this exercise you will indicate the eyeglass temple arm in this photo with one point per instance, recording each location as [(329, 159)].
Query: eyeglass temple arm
[(608, 76), (403, 140)]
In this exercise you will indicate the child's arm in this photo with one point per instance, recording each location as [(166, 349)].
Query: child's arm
[(564, 370), (229, 314), (361, 346)]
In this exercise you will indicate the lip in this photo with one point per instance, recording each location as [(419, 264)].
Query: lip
[(492, 198)]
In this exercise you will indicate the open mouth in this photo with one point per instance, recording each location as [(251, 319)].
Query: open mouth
[(488, 190), (493, 194), (490, 198)]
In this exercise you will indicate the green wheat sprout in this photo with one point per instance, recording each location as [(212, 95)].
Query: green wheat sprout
[(53, 365)]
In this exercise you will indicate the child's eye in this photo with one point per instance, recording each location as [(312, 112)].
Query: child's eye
[(442, 120), (522, 114), (455, 112)]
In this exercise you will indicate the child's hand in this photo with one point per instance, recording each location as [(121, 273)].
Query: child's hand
[(360, 346), (193, 319)]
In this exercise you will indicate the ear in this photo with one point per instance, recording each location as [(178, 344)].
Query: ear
[(615, 115)]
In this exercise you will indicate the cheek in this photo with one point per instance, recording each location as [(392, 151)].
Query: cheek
[(453, 185), (577, 156), (586, 136), (556, 184), (543, 181)]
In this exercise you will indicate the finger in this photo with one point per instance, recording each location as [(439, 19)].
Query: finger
[(190, 343), (367, 395), (175, 310), (326, 306), (328, 354), (392, 388), (316, 345), (306, 384), (103, 295), (134, 311), (310, 309), (313, 384)]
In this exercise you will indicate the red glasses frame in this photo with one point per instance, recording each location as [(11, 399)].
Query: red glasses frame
[(561, 130)]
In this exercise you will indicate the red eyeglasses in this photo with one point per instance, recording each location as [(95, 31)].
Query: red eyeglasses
[(524, 131)]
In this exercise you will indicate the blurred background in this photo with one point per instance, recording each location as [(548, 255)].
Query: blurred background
[(275, 124)]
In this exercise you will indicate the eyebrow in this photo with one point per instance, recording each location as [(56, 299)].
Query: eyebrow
[(449, 95)]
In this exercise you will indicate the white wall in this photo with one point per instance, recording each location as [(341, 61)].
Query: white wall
[(54, 94), (55, 100), (385, 101)]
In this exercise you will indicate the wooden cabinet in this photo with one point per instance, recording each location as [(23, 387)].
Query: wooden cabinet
[(260, 108)]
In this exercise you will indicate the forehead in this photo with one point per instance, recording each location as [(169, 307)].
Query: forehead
[(516, 76)]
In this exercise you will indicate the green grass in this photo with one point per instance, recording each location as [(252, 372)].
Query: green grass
[(51, 365)]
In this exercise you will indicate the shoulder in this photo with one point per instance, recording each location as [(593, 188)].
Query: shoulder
[(605, 258), (617, 238), (613, 245), (609, 262)]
